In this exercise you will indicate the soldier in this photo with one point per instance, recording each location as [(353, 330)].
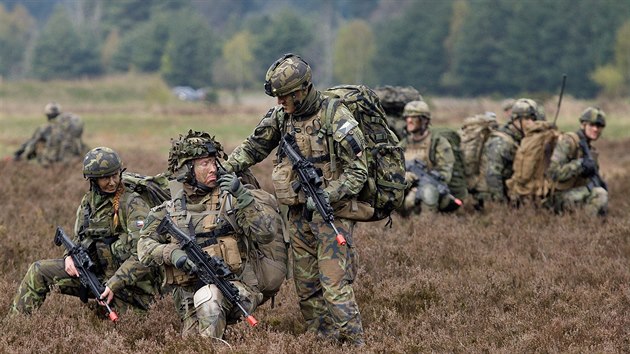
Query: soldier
[(574, 167), (499, 151), (437, 153), (323, 270), (58, 140), (506, 105), (107, 225), (227, 218)]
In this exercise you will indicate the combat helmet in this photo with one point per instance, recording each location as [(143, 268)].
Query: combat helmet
[(193, 145), (288, 74), (525, 108), (417, 109), (52, 109), (593, 115), (101, 162)]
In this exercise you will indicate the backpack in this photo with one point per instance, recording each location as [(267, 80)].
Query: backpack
[(393, 100), (531, 162), (385, 188), (473, 135), (457, 185), (154, 190)]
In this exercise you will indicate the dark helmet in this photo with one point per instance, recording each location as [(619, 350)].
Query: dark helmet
[(288, 74), (525, 108), (193, 145), (101, 162), (593, 115), (417, 109), (52, 109)]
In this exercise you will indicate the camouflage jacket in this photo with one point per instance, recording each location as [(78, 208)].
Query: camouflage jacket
[(444, 157), (349, 144), (565, 167), (255, 223), (496, 162), (56, 141), (114, 244)]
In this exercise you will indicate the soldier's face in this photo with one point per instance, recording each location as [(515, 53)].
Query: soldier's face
[(109, 184), (592, 131), (288, 101), (415, 123), (206, 171)]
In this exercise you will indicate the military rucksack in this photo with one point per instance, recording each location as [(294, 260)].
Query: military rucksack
[(531, 162), (154, 190), (385, 188), (457, 185), (473, 135)]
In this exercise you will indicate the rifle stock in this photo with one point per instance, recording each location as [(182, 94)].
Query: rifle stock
[(84, 265), (211, 270)]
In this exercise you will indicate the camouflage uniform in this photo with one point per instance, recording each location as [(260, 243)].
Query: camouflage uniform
[(574, 186), (228, 227), (443, 164), (111, 244), (59, 140), (323, 270)]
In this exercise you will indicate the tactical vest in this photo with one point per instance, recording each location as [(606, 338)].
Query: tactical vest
[(419, 150), (576, 153), (212, 222)]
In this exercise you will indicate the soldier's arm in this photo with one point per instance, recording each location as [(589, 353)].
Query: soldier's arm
[(258, 145), (351, 157), (260, 220), (131, 270), (151, 245), (444, 159), (562, 166), (496, 151)]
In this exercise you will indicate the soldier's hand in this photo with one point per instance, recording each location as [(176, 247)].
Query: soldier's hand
[(107, 296), (410, 178), (180, 260), (70, 268), (310, 203), (588, 167), (231, 184)]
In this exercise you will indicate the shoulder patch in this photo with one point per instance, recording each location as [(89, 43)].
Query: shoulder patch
[(269, 113)]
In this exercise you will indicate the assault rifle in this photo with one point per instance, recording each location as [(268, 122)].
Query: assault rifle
[(310, 181), (210, 269), (433, 178), (595, 180), (84, 265)]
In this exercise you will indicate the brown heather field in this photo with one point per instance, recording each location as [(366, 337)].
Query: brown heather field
[(500, 281)]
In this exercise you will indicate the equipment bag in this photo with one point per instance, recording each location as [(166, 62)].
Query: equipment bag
[(385, 188), (457, 185), (473, 135), (154, 190)]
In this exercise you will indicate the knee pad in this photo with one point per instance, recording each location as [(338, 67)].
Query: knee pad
[(430, 196)]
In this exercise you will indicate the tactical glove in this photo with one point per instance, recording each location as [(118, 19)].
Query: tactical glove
[(231, 184), (180, 260), (588, 167), (310, 203)]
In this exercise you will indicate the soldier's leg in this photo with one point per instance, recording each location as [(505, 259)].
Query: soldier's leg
[(306, 274), (572, 199), (410, 203), (337, 266), (36, 284), (214, 311), (430, 198), (597, 202), (185, 306)]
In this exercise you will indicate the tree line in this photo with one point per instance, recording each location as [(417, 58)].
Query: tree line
[(450, 47)]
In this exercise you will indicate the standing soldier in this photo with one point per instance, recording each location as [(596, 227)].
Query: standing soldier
[(323, 269), (107, 225), (438, 155), (499, 150), (58, 140), (227, 219), (575, 170)]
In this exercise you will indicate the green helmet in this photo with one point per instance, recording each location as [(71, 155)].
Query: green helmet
[(525, 108), (593, 115), (417, 109), (101, 162), (288, 74), (193, 145), (52, 109)]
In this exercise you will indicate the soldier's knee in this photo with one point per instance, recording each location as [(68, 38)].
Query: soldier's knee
[(430, 196)]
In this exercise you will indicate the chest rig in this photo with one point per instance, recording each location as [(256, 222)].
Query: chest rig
[(211, 222), (576, 153), (419, 150), (312, 141)]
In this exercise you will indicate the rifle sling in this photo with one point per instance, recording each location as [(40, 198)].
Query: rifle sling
[(214, 234)]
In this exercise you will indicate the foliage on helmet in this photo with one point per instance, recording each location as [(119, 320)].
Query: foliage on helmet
[(193, 145), (525, 108), (593, 115), (101, 162), (417, 109), (52, 109), (288, 74)]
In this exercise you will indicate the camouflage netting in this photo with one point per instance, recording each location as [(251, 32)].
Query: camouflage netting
[(192, 146)]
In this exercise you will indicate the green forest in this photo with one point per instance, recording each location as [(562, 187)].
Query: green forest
[(441, 47)]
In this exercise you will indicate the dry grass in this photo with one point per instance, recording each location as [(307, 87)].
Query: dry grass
[(502, 281)]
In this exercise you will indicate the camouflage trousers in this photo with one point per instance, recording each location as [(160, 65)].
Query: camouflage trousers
[(323, 272), (594, 201), (428, 200), (45, 274), (205, 311)]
